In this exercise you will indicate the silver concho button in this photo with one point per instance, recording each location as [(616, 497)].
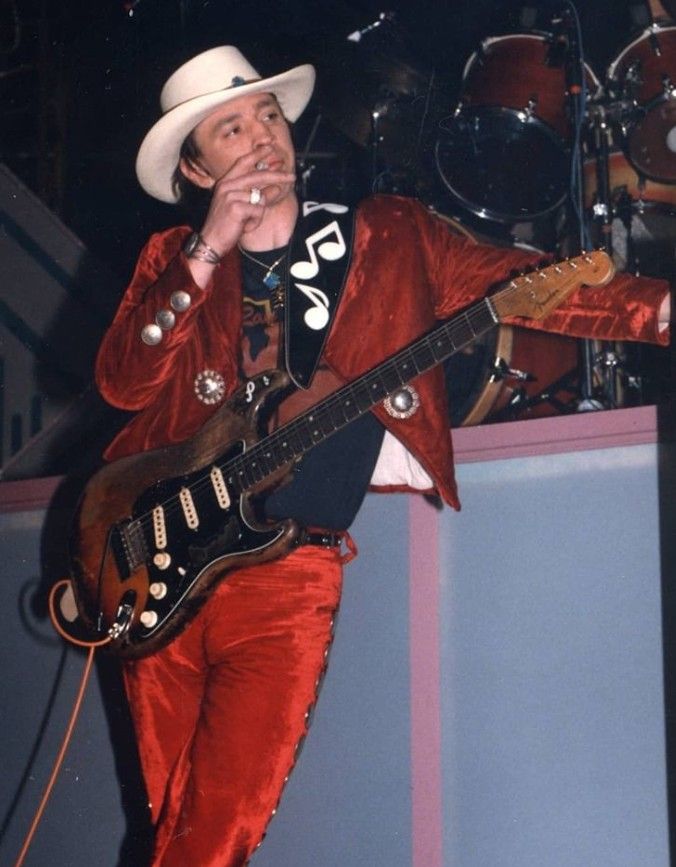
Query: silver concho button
[(180, 301), (151, 334), (402, 403), (209, 386), (166, 319)]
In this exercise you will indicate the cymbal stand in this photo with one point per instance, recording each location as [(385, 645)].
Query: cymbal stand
[(576, 85), (380, 170), (604, 356), (305, 167), (378, 110)]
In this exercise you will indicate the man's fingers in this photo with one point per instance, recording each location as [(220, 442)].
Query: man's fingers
[(258, 179)]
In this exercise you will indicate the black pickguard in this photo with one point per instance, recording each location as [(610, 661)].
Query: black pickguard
[(221, 533)]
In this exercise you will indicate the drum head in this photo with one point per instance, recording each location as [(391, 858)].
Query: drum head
[(651, 141), (502, 164)]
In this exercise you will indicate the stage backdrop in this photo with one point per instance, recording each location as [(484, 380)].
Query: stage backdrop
[(495, 694)]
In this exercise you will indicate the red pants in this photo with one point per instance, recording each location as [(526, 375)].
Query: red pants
[(220, 711)]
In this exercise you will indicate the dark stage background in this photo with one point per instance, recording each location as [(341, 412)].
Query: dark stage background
[(80, 83)]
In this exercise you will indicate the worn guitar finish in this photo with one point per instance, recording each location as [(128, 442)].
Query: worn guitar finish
[(155, 531)]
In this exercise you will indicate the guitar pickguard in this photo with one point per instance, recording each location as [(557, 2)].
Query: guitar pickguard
[(189, 529)]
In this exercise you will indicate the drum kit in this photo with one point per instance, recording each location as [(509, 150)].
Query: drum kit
[(529, 121)]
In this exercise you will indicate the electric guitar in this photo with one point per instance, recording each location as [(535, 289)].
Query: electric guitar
[(155, 531)]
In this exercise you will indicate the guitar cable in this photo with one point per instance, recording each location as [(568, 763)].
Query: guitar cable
[(92, 646)]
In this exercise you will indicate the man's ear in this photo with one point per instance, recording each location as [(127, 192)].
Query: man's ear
[(196, 173)]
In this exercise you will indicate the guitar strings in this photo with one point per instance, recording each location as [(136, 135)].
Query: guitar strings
[(336, 401), (453, 329), (456, 329)]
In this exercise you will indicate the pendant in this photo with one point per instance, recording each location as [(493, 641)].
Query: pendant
[(271, 280)]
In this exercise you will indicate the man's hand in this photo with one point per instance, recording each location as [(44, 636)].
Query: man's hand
[(231, 213)]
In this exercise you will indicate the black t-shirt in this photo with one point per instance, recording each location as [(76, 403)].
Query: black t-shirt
[(330, 482)]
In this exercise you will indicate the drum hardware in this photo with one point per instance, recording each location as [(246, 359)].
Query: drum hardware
[(306, 168), (502, 370), (381, 109), (602, 208), (624, 210), (635, 219), (602, 384), (383, 17), (592, 353), (313, 162), (521, 404)]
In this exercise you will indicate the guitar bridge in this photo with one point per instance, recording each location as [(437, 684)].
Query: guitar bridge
[(128, 546)]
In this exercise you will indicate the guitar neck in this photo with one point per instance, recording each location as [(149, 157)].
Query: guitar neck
[(303, 433), (532, 295)]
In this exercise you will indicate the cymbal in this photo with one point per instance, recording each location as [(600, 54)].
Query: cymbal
[(359, 88)]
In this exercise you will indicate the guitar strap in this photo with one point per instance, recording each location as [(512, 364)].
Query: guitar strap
[(319, 259)]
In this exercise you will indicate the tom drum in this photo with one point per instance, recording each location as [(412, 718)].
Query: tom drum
[(644, 77), (503, 153)]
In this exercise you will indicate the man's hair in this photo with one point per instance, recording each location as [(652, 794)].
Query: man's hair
[(193, 200)]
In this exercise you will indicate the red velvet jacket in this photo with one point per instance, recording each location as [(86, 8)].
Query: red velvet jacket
[(407, 272)]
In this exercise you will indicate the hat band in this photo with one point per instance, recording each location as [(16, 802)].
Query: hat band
[(237, 81)]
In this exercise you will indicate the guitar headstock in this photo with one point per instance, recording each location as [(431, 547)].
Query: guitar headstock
[(535, 295)]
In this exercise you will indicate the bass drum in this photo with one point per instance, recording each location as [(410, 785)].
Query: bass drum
[(644, 76), (503, 153), (509, 373)]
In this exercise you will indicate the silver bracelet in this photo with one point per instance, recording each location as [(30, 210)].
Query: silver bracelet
[(197, 248)]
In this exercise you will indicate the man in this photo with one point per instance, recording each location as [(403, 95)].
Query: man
[(266, 281)]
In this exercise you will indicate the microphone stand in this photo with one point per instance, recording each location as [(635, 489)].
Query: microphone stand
[(604, 212), (576, 91)]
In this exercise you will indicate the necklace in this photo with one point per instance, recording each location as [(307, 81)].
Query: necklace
[(271, 279)]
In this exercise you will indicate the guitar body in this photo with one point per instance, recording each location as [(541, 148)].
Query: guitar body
[(144, 554)]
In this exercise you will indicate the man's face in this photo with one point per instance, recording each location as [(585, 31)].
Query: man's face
[(252, 124)]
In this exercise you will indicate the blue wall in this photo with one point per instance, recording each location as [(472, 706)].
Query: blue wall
[(551, 696), (553, 722)]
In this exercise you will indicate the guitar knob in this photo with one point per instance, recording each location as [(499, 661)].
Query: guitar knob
[(149, 618), (158, 589), (162, 560)]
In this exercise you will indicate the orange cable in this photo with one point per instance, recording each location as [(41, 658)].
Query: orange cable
[(71, 723)]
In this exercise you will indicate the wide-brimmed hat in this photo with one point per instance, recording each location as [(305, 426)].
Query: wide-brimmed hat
[(193, 92)]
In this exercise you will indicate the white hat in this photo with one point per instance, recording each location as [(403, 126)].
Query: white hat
[(193, 92)]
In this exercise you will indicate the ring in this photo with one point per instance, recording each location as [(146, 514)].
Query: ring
[(255, 196)]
